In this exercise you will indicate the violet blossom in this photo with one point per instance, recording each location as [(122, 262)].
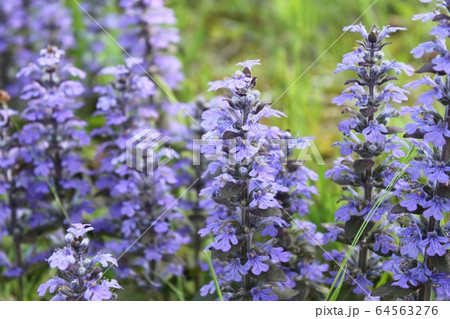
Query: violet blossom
[(152, 37), (81, 276), (13, 196)]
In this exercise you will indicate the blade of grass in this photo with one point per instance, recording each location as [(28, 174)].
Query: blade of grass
[(177, 291), (400, 172), (171, 96), (214, 277), (165, 87), (338, 289)]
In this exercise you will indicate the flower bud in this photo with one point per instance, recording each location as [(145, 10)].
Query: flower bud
[(82, 270), (84, 243), (68, 238), (243, 171)]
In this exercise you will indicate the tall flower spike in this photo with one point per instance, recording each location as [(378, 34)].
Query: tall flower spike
[(247, 174), (305, 274), (423, 264), (151, 36), (369, 152), (12, 196), (81, 276), (138, 202), (144, 203), (53, 135), (93, 59)]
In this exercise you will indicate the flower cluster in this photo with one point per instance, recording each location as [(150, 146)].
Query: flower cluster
[(93, 59), (251, 188), (139, 203), (19, 40), (53, 135), (369, 155), (422, 262), (152, 37), (42, 180), (82, 277), (12, 192)]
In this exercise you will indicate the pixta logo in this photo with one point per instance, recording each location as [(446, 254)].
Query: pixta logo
[(145, 151)]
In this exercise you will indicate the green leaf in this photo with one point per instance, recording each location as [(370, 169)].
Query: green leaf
[(441, 263), (229, 135), (363, 165), (387, 290), (109, 274), (231, 189), (274, 274), (345, 180), (443, 190), (303, 291), (393, 130), (338, 288), (368, 111), (218, 254), (272, 211), (285, 294), (353, 225), (397, 209)]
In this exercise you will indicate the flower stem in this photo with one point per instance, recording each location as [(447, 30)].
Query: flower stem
[(213, 274), (247, 246)]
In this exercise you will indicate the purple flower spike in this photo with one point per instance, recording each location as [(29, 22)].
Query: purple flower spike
[(369, 152), (426, 194), (54, 135), (247, 188), (141, 199)]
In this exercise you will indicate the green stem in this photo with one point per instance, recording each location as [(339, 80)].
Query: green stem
[(214, 277)]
